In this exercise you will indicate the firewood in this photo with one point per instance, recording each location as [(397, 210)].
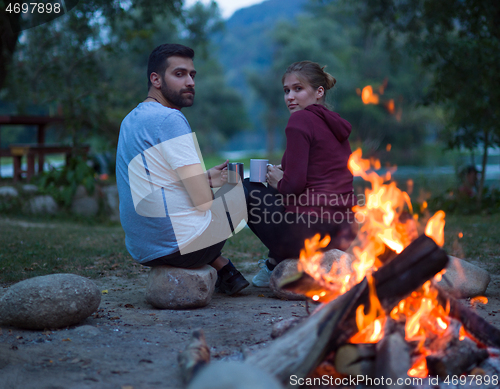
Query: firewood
[(302, 348), (397, 279), (194, 357), (285, 325), (473, 323), (356, 359), (458, 357)]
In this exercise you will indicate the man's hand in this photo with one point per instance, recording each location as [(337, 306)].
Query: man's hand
[(274, 175), (218, 175)]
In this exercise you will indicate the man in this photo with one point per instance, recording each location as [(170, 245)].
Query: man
[(166, 205)]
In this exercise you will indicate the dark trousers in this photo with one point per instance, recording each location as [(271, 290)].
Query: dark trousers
[(284, 233)]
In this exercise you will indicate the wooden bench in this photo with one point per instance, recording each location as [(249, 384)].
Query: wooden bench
[(30, 151)]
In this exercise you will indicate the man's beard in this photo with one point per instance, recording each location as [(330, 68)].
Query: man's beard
[(176, 98)]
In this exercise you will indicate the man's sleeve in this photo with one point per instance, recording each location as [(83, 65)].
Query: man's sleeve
[(177, 143)]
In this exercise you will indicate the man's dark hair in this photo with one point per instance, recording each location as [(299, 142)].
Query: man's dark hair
[(158, 59)]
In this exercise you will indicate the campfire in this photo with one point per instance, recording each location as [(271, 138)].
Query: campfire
[(383, 316)]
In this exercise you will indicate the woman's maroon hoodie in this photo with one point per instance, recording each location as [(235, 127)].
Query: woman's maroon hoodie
[(316, 178)]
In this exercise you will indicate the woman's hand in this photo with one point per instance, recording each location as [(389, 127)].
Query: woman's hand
[(218, 175), (274, 175)]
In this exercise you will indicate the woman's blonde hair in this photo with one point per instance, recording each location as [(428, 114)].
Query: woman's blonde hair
[(311, 72)]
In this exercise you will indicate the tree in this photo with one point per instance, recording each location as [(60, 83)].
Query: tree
[(331, 35), (89, 66), (458, 41)]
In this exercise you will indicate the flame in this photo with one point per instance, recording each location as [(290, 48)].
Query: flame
[(368, 96), (388, 226), (419, 368), (460, 235), (370, 326), (435, 228), (388, 147)]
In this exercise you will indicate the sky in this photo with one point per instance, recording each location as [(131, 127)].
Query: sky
[(227, 7)]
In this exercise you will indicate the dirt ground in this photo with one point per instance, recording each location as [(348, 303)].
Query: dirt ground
[(127, 344)]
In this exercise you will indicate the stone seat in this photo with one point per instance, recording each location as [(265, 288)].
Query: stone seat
[(176, 288)]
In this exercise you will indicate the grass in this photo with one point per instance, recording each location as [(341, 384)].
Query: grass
[(480, 240), (35, 247)]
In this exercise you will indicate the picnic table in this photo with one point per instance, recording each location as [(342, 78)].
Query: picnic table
[(33, 151), (30, 151)]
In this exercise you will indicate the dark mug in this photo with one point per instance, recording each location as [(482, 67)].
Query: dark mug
[(235, 172)]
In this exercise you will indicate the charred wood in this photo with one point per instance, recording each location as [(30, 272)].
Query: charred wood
[(459, 357)]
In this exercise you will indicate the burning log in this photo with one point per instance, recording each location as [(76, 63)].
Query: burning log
[(301, 349), (460, 356), (474, 324), (416, 264)]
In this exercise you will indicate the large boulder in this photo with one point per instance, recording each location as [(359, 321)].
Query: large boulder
[(176, 288), (84, 204), (30, 189), (43, 204), (288, 268), (8, 191), (53, 301), (464, 279)]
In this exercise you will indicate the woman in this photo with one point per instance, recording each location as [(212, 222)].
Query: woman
[(311, 191)]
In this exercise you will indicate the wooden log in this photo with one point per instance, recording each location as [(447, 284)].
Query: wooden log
[(302, 348), (459, 357), (194, 357), (473, 323), (416, 264), (281, 327)]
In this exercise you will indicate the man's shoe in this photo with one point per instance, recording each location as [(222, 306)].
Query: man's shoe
[(231, 282), (262, 278)]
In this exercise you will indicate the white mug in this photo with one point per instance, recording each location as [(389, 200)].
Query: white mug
[(258, 170)]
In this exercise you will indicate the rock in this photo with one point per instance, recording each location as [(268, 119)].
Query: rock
[(53, 301), (87, 330), (112, 201), (288, 267), (30, 188), (80, 192), (466, 279), (85, 206), (176, 288), (8, 191), (233, 375), (43, 204)]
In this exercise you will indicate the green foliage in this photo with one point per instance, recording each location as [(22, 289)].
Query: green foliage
[(89, 66), (62, 184), (454, 202), (458, 41), (332, 35)]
